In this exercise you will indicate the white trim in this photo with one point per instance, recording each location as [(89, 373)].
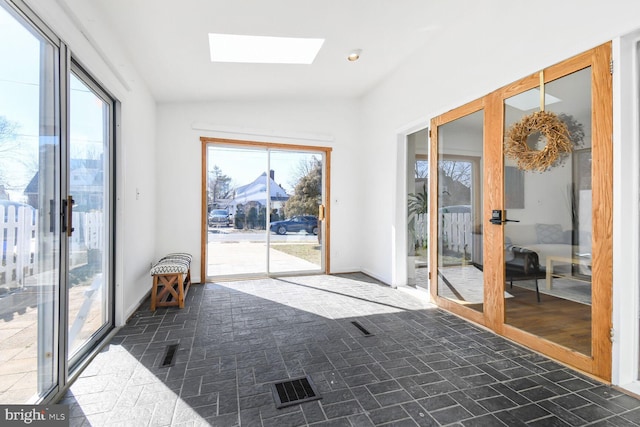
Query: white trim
[(399, 256), (235, 132), (375, 276), (626, 217), (77, 22)]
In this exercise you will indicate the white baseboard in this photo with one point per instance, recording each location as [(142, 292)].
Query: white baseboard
[(375, 276)]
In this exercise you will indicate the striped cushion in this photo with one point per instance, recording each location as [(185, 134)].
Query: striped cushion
[(170, 267), (178, 255)]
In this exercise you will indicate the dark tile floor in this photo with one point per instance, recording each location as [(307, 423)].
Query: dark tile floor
[(422, 366)]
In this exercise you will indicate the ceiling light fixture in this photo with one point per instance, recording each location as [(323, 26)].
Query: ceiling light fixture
[(354, 55)]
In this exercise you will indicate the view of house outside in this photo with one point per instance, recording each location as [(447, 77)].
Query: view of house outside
[(263, 210)]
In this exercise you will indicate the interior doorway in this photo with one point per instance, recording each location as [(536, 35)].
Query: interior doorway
[(417, 208)]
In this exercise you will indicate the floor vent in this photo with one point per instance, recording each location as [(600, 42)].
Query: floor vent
[(293, 392), (169, 355), (362, 329)]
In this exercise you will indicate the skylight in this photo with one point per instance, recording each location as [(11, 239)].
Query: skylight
[(530, 99), (262, 49)]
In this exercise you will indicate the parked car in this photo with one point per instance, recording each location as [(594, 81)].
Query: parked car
[(296, 224), (219, 218)]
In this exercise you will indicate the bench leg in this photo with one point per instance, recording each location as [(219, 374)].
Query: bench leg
[(180, 291), (165, 286), (154, 293)]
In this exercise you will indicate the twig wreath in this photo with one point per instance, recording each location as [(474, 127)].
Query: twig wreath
[(550, 127)]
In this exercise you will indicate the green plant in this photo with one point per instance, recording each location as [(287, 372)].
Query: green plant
[(418, 204)]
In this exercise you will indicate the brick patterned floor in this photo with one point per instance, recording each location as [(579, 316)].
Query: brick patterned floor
[(421, 367)]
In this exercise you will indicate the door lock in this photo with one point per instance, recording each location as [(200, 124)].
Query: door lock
[(499, 217)]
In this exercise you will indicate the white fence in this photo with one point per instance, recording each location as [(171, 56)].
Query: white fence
[(454, 232), (18, 230), (89, 230), (421, 230), (19, 237)]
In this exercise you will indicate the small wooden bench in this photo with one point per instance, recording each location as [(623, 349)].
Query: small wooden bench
[(171, 280)]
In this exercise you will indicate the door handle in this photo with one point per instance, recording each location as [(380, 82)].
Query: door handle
[(52, 215), (69, 218), (499, 217), (321, 212)]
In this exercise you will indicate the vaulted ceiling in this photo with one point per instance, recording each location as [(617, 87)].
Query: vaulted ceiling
[(167, 41)]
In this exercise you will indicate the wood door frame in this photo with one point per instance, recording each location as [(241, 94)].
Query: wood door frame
[(599, 362), (465, 110), (326, 236)]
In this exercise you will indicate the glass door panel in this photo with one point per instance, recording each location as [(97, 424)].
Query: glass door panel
[(261, 222), (237, 184), (297, 182), (29, 221), (460, 265), (417, 208), (88, 296), (548, 253)]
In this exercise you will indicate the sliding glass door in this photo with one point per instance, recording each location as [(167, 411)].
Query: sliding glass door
[(263, 208), (55, 198), (89, 175), (236, 209), (29, 202), (295, 238)]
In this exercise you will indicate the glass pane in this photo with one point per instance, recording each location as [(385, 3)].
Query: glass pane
[(237, 208), (296, 194), (29, 229), (548, 253), (88, 184), (418, 218), (460, 145)]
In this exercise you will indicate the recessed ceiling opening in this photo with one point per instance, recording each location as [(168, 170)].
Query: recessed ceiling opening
[(530, 99), (262, 49)]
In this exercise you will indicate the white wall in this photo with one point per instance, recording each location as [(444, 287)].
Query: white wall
[(546, 198), (626, 214), (178, 174), (100, 53), (467, 63), (508, 41), (460, 66)]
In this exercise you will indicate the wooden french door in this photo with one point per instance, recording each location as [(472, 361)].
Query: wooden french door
[(524, 241)]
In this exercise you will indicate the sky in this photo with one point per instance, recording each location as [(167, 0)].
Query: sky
[(20, 103), (244, 165)]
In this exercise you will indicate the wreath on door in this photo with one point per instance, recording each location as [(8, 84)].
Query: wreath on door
[(550, 127)]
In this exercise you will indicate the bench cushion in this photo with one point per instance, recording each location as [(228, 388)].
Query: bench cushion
[(170, 267), (178, 255)]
